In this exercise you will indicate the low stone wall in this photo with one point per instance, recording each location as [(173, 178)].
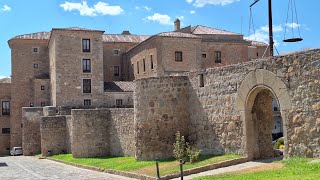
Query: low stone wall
[(161, 109), (89, 133), (121, 132), (31, 137), (53, 135)]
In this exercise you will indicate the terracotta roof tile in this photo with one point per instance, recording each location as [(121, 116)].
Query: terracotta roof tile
[(208, 30), (178, 34), (38, 35), (5, 80), (119, 86), (123, 38)]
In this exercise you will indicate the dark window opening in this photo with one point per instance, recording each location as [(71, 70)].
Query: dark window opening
[(87, 102), (116, 52), (5, 108), (42, 88), (144, 65), (178, 56), (86, 85), (257, 54), (31, 105), (35, 50), (138, 67), (35, 65), (217, 56), (204, 55), (86, 45), (86, 65), (118, 102), (201, 80), (5, 130), (116, 71), (43, 104), (151, 61), (275, 108)]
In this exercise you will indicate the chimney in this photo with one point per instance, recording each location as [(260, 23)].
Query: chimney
[(177, 25), (126, 33)]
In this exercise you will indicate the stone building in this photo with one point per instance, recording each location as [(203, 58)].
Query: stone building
[(5, 99), (218, 108)]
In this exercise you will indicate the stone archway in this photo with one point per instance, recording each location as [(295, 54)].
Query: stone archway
[(253, 100)]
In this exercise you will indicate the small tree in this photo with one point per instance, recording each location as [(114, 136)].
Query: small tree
[(193, 153), (179, 150)]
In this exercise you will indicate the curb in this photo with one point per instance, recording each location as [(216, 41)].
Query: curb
[(166, 177)]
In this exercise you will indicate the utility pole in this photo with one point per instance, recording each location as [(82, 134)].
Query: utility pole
[(271, 43), (270, 28)]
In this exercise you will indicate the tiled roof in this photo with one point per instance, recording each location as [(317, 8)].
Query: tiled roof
[(178, 34), (119, 86), (208, 30), (257, 43), (38, 35), (5, 80), (75, 29), (123, 38)]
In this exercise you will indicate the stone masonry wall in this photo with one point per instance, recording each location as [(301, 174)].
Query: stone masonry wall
[(53, 135), (216, 125), (89, 133), (31, 137), (161, 109), (5, 95), (121, 132)]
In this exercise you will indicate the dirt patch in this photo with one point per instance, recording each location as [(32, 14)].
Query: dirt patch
[(266, 167)]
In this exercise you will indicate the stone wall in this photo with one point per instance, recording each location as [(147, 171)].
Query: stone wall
[(31, 137), (121, 132), (161, 109), (89, 133), (53, 135)]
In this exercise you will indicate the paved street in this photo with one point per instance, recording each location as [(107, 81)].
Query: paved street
[(32, 168)]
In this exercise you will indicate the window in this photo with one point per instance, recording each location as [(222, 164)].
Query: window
[(144, 65), (86, 45), (275, 108), (5, 108), (42, 88), (201, 80), (138, 67), (178, 55), (87, 102), (118, 102), (35, 50), (86, 85), (116, 71), (151, 61), (31, 104), (35, 65), (257, 54), (86, 65), (116, 51), (204, 55), (43, 104), (217, 56), (5, 130)]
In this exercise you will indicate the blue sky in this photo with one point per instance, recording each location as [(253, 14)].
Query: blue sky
[(153, 16)]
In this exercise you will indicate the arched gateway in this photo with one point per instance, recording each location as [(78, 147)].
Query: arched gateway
[(254, 99)]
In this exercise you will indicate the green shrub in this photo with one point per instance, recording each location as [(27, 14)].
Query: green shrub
[(278, 143), (179, 148), (193, 153)]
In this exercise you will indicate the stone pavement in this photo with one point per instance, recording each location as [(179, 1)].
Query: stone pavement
[(32, 168)]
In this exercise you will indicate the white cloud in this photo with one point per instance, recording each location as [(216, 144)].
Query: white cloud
[(6, 8), (262, 34), (180, 17), (201, 3), (2, 77), (276, 28), (192, 12), (147, 8), (160, 18), (100, 8), (293, 25)]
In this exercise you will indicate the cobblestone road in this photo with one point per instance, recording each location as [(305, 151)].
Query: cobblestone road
[(32, 168)]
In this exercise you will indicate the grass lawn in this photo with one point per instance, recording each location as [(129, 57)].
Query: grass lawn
[(169, 166), (291, 169)]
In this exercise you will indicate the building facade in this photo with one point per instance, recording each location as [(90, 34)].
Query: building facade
[(82, 68)]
